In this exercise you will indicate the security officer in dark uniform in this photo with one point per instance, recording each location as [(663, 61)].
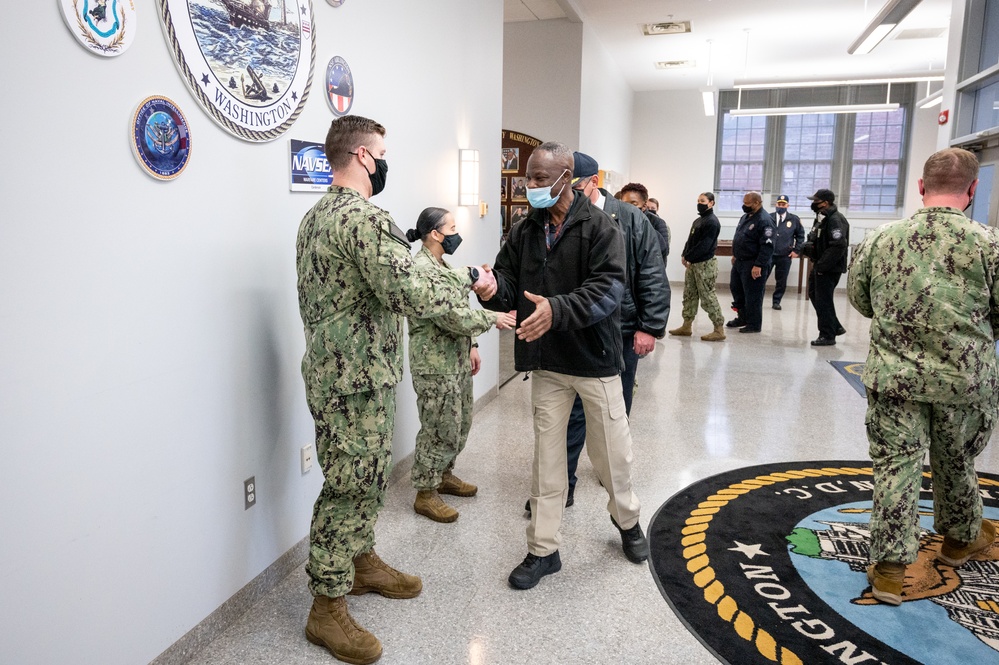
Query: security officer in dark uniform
[(788, 239), (827, 246), (752, 251)]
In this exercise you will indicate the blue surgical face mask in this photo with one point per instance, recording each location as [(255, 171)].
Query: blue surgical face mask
[(541, 197)]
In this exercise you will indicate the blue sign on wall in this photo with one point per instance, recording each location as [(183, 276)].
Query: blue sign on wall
[(310, 171)]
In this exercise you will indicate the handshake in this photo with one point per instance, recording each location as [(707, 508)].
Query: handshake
[(483, 281)]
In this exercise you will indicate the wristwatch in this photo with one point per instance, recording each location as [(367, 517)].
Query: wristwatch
[(473, 274)]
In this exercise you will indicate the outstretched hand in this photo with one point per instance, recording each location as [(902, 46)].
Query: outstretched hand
[(538, 323), (506, 320)]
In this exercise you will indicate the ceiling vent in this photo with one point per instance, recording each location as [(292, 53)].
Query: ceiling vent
[(667, 28), (921, 33), (676, 64)]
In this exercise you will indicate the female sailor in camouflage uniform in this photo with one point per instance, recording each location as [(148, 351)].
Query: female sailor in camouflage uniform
[(443, 357)]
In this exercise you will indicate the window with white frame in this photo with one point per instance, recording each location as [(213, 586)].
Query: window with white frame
[(860, 156)]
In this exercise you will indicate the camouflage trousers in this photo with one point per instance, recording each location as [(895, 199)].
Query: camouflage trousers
[(445, 405), (699, 285), (900, 432), (354, 446)]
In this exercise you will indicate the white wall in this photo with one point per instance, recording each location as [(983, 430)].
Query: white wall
[(149, 332), (542, 64), (924, 144), (673, 154), (605, 109)]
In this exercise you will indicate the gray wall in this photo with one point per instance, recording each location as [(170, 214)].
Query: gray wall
[(149, 332)]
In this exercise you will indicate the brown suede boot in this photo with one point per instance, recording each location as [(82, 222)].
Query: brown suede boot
[(955, 553), (452, 484), (430, 504), (330, 625), (373, 574), (887, 578), (684, 330), (717, 336)]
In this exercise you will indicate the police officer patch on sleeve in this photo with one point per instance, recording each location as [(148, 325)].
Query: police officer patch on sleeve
[(836, 234), (768, 232)]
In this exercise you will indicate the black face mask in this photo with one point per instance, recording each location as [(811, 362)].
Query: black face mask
[(378, 177), (703, 208), (450, 243), (781, 211), (815, 207), (747, 209)]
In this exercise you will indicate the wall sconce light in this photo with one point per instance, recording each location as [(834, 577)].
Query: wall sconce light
[(468, 177)]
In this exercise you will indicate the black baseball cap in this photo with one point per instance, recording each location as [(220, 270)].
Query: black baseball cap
[(823, 195), (584, 166)]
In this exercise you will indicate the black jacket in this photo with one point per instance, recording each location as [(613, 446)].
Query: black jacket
[(789, 236), (662, 228), (703, 239), (754, 239), (583, 277), (830, 241), (645, 305)]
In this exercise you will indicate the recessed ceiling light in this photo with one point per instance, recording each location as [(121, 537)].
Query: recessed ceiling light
[(676, 64), (666, 28)]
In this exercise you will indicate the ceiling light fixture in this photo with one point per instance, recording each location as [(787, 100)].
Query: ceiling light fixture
[(903, 78), (802, 110), (708, 93), (890, 16)]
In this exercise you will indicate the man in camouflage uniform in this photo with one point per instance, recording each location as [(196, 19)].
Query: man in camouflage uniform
[(355, 281), (931, 285)]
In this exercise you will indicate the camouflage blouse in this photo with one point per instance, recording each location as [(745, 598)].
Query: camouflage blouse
[(441, 345), (931, 285), (356, 280)]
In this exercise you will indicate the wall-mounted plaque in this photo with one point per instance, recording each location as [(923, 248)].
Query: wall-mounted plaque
[(160, 137), (104, 27), (339, 86)]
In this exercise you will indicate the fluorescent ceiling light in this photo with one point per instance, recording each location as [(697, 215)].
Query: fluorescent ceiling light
[(709, 102), (931, 100), (906, 78), (890, 16), (801, 110)]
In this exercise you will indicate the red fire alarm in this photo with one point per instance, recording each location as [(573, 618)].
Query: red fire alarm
[(942, 118)]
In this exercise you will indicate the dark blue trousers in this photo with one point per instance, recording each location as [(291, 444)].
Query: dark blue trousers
[(781, 268), (575, 433), (747, 293)]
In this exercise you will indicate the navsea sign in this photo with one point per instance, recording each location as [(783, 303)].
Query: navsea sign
[(310, 170), (249, 63)]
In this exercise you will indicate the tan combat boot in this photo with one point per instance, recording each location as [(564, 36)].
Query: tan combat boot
[(373, 574), (452, 484), (887, 578), (430, 504), (684, 330), (955, 553), (330, 625), (717, 336)]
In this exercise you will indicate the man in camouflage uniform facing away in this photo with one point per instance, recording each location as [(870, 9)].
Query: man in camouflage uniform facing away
[(931, 285), (355, 282)]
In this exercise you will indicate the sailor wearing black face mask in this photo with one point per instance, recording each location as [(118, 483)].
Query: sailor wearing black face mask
[(752, 252), (827, 245)]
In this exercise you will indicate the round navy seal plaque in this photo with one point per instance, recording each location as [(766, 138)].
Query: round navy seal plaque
[(336, 3), (249, 63), (339, 86), (161, 139), (103, 27)]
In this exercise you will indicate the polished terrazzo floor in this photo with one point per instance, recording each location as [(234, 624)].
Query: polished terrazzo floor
[(700, 408)]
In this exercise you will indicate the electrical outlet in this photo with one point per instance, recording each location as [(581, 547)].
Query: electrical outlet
[(307, 458), (249, 492)]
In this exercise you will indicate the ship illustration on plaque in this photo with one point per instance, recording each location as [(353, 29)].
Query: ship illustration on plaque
[(249, 63), (103, 27)]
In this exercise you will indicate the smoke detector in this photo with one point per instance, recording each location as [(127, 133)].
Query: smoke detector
[(666, 28)]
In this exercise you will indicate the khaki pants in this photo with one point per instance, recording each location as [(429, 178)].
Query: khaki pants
[(608, 444)]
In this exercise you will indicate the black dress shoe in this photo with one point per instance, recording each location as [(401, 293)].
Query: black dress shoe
[(841, 331), (824, 341), (533, 568), (749, 329), (776, 305), (633, 542), (735, 323)]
